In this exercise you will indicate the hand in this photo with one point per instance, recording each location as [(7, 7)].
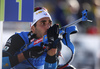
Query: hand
[(52, 35), (33, 52), (52, 52)]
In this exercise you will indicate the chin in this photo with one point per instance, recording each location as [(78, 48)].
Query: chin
[(45, 34)]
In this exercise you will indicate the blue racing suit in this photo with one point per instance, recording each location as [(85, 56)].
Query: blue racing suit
[(38, 63)]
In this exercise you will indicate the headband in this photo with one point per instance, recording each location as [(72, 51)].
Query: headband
[(38, 15)]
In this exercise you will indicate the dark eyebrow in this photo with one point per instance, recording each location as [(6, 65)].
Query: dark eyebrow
[(43, 21), (50, 21)]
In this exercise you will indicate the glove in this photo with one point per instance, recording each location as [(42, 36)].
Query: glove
[(33, 52), (52, 35)]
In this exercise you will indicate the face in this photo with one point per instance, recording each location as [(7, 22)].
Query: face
[(42, 26)]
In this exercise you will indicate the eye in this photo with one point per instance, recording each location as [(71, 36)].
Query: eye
[(50, 22), (42, 23)]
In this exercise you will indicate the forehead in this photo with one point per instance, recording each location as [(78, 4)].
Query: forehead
[(45, 18)]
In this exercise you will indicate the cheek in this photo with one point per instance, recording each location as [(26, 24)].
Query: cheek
[(42, 30), (39, 30)]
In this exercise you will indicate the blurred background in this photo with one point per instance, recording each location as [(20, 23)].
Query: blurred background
[(86, 41)]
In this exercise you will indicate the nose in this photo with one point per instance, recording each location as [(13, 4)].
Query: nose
[(48, 26)]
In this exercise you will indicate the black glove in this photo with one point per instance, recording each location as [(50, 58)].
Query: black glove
[(33, 52), (52, 35)]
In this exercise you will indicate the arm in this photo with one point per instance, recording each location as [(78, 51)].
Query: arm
[(8, 62), (13, 44), (51, 58), (50, 61)]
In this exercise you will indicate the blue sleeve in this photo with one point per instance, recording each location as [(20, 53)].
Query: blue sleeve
[(5, 63), (50, 65)]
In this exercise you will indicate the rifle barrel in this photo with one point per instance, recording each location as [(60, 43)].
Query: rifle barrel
[(70, 24)]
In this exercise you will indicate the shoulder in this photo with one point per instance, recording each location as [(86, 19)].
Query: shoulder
[(14, 40), (15, 37), (24, 36), (13, 44)]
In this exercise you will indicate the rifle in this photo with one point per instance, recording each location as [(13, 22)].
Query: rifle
[(68, 29)]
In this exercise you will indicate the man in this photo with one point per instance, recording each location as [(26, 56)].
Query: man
[(14, 55)]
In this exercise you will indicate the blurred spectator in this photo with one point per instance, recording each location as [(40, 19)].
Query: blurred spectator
[(66, 11), (92, 30), (86, 4), (73, 8), (59, 13), (97, 13)]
